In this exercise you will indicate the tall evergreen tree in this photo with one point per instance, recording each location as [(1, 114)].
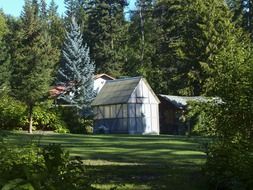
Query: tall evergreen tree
[(55, 28), (43, 9), (32, 61), (77, 70), (71, 11), (106, 34), (142, 32), (189, 35)]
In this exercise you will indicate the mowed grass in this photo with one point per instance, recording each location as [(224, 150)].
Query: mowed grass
[(130, 161)]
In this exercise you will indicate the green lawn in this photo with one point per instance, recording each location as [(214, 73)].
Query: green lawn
[(132, 162)]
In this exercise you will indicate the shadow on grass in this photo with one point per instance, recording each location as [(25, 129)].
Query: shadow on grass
[(169, 177), (152, 162)]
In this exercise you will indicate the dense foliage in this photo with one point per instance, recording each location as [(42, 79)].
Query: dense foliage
[(4, 55), (13, 116), (30, 167), (229, 119)]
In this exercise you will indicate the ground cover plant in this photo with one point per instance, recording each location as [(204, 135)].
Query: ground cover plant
[(131, 162)]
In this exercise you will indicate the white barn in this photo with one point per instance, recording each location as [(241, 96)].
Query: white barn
[(126, 106)]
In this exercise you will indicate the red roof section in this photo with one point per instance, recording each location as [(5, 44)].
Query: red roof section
[(57, 90)]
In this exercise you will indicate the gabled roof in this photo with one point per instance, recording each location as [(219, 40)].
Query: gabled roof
[(116, 91), (181, 101), (103, 75)]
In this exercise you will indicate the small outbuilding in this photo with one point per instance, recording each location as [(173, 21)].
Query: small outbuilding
[(172, 111), (99, 81), (127, 106)]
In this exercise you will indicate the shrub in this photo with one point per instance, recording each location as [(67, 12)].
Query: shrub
[(230, 166), (75, 123), (229, 163), (31, 167), (47, 118), (11, 113), (13, 116)]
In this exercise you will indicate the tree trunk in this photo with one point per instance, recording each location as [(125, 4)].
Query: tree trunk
[(30, 117)]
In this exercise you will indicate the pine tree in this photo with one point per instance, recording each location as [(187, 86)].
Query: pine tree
[(55, 27), (43, 9), (77, 70), (141, 41), (72, 7), (32, 61), (106, 35), (189, 35)]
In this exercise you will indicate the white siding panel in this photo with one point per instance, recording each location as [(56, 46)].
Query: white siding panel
[(107, 111), (147, 110), (145, 90), (113, 111), (147, 121), (152, 98), (98, 84), (139, 90)]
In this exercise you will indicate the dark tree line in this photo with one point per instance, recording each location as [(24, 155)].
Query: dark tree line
[(170, 42), (182, 47)]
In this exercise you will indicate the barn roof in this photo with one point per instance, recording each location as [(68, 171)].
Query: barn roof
[(116, 91), (181, 101)]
